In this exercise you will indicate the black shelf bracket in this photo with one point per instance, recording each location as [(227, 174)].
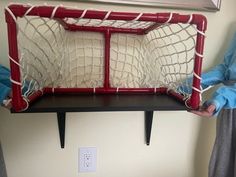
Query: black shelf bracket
[(148, 126), (61, 119)]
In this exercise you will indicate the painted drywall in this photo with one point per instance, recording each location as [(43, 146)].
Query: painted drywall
[(181, 142)]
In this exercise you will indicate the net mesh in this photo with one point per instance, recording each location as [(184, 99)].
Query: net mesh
[(54, 57)]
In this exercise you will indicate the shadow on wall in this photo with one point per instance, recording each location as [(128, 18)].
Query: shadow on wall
[(3, 172), (202, 151), (207, 126)]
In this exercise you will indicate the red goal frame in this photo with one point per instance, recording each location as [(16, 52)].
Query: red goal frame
[(19, 103)]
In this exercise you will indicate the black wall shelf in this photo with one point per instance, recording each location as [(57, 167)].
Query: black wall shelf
[(61, 104)]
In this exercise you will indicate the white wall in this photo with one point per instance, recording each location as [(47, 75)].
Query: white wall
[(180, 144)]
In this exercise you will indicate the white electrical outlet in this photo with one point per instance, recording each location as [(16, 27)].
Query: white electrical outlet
[(87, 159)]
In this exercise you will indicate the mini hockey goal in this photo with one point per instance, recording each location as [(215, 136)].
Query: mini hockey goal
[(57, 49)]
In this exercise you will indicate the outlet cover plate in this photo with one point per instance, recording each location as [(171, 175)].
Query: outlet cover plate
[(87, 159)]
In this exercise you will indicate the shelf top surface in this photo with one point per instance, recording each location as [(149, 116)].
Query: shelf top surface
[(89, 103)]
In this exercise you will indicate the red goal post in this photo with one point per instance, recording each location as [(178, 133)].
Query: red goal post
[(126, 53)]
